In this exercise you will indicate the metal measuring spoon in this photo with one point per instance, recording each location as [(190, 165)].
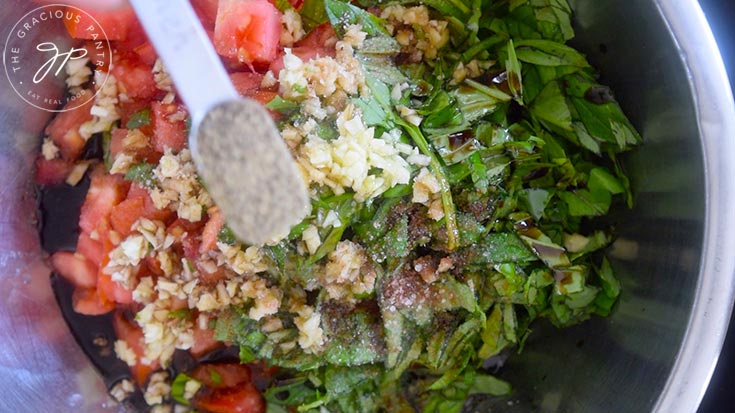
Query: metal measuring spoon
[(236, 147)]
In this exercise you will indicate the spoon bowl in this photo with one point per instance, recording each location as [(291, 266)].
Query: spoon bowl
[(235, 144)]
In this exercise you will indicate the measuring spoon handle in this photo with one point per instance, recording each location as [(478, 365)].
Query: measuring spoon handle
[(186, 51)]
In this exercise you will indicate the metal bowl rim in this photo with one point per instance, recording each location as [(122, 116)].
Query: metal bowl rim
[(713, 300)]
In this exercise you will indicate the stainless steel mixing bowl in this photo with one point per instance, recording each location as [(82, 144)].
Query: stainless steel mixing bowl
[(676, 255)]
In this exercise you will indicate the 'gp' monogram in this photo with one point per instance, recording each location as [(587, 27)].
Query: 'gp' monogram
[(44, 70)]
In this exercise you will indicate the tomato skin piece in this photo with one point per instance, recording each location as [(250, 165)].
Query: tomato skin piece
[(244, 398), (52, 172), (166, 133), (87, 301), (248, 30), (75, 268)]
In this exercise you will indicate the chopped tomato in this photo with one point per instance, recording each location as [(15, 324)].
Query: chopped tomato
[(125, 214), (117, 24), (320, 37), (204, 341), (221, 375), (138, 204), (180, 226), (132, 107), (143, 152), (91, 249), (210, 278), (64, 129), (137, 191), (87, 301), (190, 244), (211, 231), (246, 82), (104, 234), (105, 191), (116, 141), (147, 53), (75, 268), (151, 212), (168, 132), (134, 78), (207, 12), (149, 209), (129, 331), (263, 96), (152, 266), (262, 374), (52, 172), (241, 399), (136, 37), (248, 30), (305, 53), (111, 290)]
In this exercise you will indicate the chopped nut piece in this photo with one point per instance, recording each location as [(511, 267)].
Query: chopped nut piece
[(77, 173), (122, 390), (49, 150)]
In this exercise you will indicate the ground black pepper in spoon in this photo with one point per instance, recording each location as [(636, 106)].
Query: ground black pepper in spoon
[(238, 151), (265, 210)]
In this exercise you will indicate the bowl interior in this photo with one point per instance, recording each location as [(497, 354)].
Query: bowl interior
[(622, 363)]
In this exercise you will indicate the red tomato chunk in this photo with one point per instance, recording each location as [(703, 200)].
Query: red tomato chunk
[(247, 30)]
